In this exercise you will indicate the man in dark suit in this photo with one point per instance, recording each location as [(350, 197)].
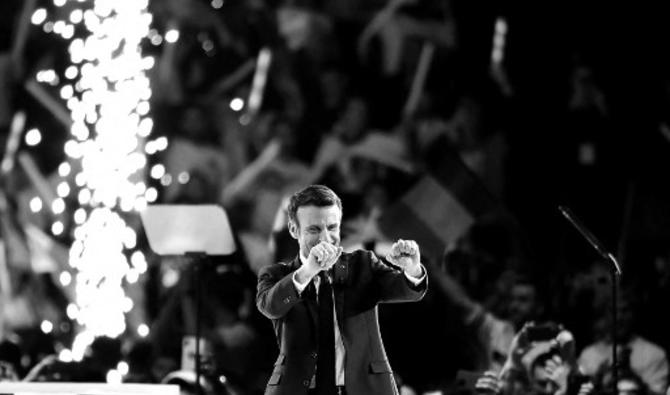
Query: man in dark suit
[(323, 304)]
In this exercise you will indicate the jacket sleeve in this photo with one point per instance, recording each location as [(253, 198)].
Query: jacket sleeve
[(392, 284), (275, 292)]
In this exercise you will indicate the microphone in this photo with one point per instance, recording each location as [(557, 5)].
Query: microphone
[(597, 245)]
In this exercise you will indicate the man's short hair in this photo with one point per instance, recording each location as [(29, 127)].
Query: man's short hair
[(313, 195)]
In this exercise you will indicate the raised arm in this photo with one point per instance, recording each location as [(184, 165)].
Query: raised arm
[(276, 293)]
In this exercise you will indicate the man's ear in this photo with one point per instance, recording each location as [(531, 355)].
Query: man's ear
[(293, 229)]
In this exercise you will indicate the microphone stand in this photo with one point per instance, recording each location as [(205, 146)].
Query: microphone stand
[(197, 259), (615, 272)]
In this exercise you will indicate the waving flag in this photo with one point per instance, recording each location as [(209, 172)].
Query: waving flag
[(440, 207)]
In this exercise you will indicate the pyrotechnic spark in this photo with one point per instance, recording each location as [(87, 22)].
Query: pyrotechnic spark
[(108, 100)]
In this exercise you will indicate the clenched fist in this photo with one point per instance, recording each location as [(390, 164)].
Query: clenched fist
[(405, 254)]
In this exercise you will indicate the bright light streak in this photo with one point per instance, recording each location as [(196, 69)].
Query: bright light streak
[(72, 149), (129, 238), (81, 342), (110, 114), (72, 104), (499, 38), (258, 83), (151, 195), (236, 104), (35, 204), (66, 92), (79, 180), (142, 108), (501, 26), (47, 76), (172, 36), (39, 16), (157, 171), (71, 72), (161, 143), (57, 228), (65, 278), (132, 276), (65, 355), (170, 278), (80, 216), (102, 8), (127, 304), (139, 261), (59, 27), (76, 51), (67, 32), (114, 377), (140, 188), (72, 311), (183, 177), (208, 45), (140, 204), (64, 169), (84, 196), (46, 326), (143, 330), (148, 62), (150, 148), (91, 20), (58, 206), (123, 367), (76, 16), (80, 131), (157, 40), (63, 189), (33, 137)]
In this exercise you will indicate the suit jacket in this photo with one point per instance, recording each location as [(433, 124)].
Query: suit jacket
[(361, 281)]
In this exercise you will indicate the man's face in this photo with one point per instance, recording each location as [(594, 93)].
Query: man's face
[(314, 225), (522, 304)]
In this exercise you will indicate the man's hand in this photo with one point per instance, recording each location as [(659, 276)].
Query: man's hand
[(321, 257), (405, 254), (324, 255), (558, 372), (488, 383)]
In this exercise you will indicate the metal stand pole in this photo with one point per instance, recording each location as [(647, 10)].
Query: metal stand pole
[(615, 354), (616, 272), (197, 259)]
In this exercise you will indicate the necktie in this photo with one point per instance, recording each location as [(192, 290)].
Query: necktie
[(325, 364)]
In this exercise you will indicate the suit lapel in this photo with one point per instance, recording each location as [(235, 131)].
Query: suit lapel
[(310, 302)]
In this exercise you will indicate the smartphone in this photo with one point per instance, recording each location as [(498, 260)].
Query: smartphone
[(542, 332)]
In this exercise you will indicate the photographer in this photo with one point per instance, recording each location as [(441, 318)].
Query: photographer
[(542, 361)]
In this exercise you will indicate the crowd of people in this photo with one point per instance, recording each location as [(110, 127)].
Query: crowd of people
[(534, 104)]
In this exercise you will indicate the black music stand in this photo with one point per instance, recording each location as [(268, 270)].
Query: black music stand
[(194, 231), (615, 271)]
